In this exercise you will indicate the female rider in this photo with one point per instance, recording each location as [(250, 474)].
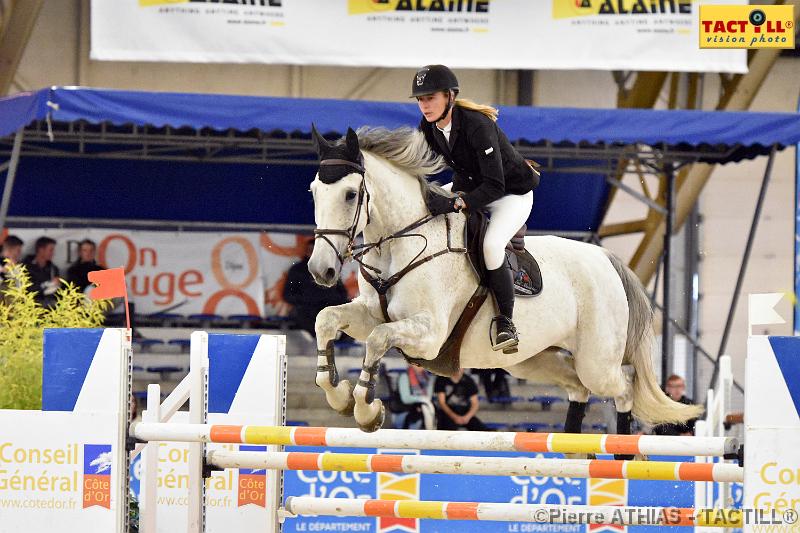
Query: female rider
[(488, 174)]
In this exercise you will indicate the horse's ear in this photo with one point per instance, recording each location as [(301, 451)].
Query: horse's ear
[(352, 144), (320, 144)]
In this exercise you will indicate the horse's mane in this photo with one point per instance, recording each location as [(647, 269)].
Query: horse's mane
[(406, 148)]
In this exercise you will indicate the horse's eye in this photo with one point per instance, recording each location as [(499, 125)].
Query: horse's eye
[(350, 196)]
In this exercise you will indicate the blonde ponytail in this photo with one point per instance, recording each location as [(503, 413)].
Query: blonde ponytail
[(487, 110)]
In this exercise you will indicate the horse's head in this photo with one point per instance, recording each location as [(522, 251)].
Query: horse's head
[(340, 205)]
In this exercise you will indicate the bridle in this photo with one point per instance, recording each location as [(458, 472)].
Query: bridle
[(357, 251), (350, 233)]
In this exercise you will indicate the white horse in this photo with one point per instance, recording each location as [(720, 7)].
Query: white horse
[(589, 331)]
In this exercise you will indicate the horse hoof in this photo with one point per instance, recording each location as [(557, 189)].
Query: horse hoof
[(376, 423), (349, 408)]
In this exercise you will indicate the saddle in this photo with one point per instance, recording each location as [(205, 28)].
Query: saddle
[(527, 283)]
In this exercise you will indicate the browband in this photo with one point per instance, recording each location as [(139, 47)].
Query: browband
[(345, 162)]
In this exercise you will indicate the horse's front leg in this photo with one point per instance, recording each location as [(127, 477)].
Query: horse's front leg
[(355, 319), (414, 335)]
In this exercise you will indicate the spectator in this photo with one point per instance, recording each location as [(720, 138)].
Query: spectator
[(676, 387), (457, 399), (306, 296), (43, 273), (415, 388), (11, 251), (78, 273), (494, 382)]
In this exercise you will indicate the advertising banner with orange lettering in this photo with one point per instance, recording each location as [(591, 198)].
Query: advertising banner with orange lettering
[(486, 34), (192, 272), (181, 272)]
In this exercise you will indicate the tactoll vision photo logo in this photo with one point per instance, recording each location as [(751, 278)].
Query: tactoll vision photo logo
[(746, 26)]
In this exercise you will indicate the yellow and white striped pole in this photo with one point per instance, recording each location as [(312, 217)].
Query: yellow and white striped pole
[(440, 440), (513, 512), (480, 466)]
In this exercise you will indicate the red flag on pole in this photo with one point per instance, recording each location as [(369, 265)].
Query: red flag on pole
[(110, 284)]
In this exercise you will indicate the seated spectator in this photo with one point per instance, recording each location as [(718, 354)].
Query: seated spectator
[(78, 272), (43, 273), (675, 389), (494, 381), (11, 251), (306, 296), (457, 399), (415, 390)]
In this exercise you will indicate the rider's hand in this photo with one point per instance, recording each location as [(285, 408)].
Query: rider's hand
[(440, 205)]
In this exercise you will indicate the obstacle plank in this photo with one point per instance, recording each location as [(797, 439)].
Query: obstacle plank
[(440, 440), (514, 512), (480, 466)]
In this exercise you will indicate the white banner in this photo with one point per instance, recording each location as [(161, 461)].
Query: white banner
[(192, 272), (186, 272), (487, 34)]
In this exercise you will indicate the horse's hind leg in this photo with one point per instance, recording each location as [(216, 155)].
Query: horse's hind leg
[(624, 404), (355, 319)]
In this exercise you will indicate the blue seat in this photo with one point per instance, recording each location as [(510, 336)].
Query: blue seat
[(397, 371), (496, 426), (602, 428), (167, 316), (506, 399), (166, 369), (531, 427), (138, 368), (146, 344), (301, 423), (557, 428), (205, 317), (183, 343), (245, 320), (140, 394), (546, 401)]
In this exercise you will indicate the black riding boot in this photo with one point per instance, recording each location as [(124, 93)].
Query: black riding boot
[(502, 285)]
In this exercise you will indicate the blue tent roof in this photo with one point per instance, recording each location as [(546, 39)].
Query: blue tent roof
[(92, 187), (756, 131)]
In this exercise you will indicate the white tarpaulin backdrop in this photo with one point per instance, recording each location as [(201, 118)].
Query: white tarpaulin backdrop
[(490, 34)]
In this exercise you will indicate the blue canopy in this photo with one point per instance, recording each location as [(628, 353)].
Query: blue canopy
[(147, 188), (757, 131)]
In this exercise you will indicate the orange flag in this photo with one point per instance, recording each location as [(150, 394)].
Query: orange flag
[(110, 284)]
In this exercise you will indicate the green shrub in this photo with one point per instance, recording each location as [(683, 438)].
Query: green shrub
[(22, 322)]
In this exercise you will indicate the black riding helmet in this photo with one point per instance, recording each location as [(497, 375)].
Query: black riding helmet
[(432, 79)]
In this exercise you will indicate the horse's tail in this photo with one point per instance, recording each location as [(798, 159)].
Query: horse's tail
[(650, 404)]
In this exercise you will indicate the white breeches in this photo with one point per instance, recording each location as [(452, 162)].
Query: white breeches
[(506, 216)]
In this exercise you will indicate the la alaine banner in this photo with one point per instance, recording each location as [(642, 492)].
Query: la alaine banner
[(191, 272), (483, 34)]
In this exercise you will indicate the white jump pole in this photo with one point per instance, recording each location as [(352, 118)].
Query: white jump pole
[(440, 440), (480, 466), (198, 410), (515, 512)]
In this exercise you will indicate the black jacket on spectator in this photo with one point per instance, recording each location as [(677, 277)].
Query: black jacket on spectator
[(78, 273), (40, 275), (677, 429), (307, 297), (485, 164)]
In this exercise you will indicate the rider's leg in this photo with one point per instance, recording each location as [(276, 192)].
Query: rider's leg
[(507, 215)]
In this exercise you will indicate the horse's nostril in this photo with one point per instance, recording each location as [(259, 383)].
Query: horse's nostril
[(330, 274)]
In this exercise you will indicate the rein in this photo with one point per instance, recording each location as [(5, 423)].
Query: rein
[(357, 251)]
